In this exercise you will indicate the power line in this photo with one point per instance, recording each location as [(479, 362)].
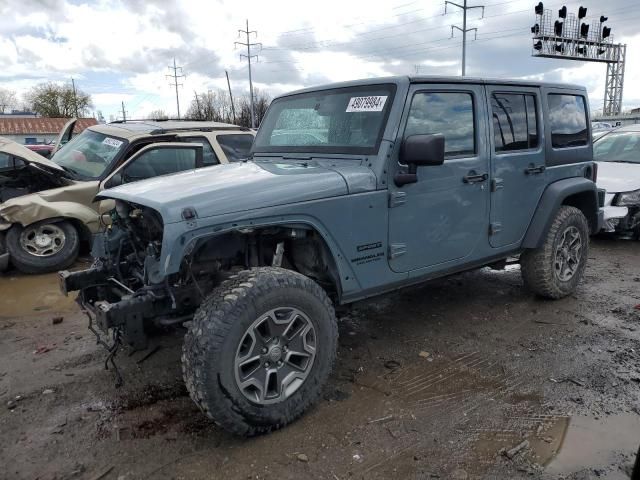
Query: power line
[(464, 28), (248, 56), (175, 83)]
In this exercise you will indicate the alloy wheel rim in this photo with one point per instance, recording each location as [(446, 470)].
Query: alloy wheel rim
[(42, 240), (275, 355), (567, 255)]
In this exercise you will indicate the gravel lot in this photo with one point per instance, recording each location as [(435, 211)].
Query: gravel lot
[(465, 377)]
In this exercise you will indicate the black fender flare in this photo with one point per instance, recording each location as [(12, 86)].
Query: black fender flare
[(578, 192)]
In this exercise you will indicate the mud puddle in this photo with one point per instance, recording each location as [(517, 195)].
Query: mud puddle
[(607, 444), (24, 294)]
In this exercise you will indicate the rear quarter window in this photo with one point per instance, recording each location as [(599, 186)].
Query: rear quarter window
[(567, 120)]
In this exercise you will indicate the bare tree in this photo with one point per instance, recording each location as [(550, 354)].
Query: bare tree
[(215, 105), (261, 101), (158, 115), (53, 100), (7, 99)]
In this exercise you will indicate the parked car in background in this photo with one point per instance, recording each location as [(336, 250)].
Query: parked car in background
[(47, 206), (618, 157), (46, 150), (598, 126)]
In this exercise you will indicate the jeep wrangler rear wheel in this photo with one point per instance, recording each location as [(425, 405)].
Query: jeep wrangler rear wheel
[(555, 269), (259, 350)]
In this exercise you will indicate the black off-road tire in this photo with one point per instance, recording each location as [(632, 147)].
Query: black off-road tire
[(29, 263), (213, 337), (537, 265)]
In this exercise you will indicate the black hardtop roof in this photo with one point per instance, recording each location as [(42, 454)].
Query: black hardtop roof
[(437, 79)]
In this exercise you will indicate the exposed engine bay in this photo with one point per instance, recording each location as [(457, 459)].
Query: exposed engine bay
[(25, 179), (124, 292)]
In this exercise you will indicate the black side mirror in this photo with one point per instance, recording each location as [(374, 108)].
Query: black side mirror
[(419, 150), (114, 181)]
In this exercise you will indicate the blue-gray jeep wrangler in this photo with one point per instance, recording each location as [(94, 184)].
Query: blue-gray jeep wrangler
[(352, 190)]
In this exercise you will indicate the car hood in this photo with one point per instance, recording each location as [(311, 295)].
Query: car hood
[(240, 187), (617, 177), (12, 148)]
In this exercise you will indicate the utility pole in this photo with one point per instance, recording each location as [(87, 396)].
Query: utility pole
[(75, 97), (175, 83), (124, 113), (233, 107), (464, 28), (248, 56)]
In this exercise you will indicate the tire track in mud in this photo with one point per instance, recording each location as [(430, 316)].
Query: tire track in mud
[(471, 393)]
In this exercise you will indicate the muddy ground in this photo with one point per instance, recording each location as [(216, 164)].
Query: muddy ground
[(446, 380)]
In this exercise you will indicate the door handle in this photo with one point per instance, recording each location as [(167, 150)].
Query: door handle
[(473, 177), (532, 169)]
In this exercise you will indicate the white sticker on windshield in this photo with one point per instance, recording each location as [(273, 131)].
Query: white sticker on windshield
[(374, 103), (112, 142)]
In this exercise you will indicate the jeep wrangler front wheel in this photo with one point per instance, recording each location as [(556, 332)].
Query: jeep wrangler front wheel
[(260, 349), (555, 269)]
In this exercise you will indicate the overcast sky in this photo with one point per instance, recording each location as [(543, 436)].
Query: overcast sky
[(120, 50)]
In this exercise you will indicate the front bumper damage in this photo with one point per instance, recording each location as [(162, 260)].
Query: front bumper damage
[(127, 314), (622, 220)]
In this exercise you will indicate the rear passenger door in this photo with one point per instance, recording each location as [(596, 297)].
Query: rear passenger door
[(518, 170)]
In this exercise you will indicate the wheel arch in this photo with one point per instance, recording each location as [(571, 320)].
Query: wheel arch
[(337, 268), (576, 192)]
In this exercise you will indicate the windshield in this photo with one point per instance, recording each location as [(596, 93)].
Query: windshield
[(618, 147), (345, 120), (89, 154), (236, 146)]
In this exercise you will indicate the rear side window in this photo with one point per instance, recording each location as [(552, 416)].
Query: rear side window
[(209, 157), (160, 161), (448, 113), (567, 120), (514, 121), (235, 146)]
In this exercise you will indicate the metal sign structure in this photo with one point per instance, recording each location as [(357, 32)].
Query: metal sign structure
[(570, 37)]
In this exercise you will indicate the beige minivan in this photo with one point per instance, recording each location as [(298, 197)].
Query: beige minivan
[(47, 207)]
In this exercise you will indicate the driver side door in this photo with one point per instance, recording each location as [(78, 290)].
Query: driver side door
[(441, 219), (155, 160)]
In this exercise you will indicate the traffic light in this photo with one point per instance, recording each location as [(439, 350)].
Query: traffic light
[(582, 12), (584, 30), (539, 8), (557, 28), (603, 19), (535, 29), (562, 13), (606, 31), (538, 45)]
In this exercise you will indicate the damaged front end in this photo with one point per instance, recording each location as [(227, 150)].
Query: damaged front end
[(622, 214), (123, 292)]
